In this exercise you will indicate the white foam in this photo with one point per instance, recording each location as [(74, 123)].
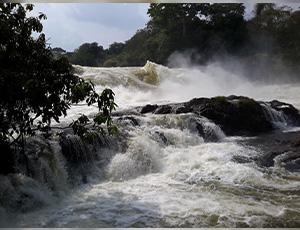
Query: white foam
[(167, 176)]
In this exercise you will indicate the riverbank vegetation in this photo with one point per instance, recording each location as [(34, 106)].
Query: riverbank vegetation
[(36, 88)]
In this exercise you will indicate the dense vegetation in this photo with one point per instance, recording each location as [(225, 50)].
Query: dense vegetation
[(269, 39), (36, 88)]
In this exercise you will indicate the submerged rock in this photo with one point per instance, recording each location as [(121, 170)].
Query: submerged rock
[(277, 149)]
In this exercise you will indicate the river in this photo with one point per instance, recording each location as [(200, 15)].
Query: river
[(158, 172)]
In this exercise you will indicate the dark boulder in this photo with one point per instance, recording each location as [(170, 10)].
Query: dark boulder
[(164, 109), (291, 113), (208, 134), (235, 115), (183, 109), (148, 108)]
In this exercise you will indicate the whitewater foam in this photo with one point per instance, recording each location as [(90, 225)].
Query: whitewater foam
[(160, 171), (154, 83)]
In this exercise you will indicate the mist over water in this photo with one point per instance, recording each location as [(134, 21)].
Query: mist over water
[(158, 172), (227, 75), (135, 86)]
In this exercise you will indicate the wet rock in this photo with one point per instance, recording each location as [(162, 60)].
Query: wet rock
[(277, 149), (207, 134), (290, 111), (161, 137), (148, 108), (80, 157), (242, 159), (236, 115), (74, 149), (197, 103), (183, 109), (165, 109), (267, 159), (293, 165), (126, 112), (131, 120)]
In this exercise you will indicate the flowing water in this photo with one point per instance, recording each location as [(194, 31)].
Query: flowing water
[(158, 171)]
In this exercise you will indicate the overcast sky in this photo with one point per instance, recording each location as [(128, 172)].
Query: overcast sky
[(69, 25)]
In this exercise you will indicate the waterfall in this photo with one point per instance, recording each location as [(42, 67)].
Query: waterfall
[(277, 118)]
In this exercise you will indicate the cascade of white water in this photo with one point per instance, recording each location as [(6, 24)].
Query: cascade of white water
[(161, 170), (277, 118)]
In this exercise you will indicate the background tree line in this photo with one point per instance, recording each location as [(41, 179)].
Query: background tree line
[(270, 36)]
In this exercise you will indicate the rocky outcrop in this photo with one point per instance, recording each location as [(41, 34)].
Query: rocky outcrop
[(148, 108), (292, 114), (236, 115)]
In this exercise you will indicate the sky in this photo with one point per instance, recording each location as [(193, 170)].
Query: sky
[(69, 25)]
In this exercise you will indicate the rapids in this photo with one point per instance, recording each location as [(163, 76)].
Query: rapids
[(154, 83), (158, 171)]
